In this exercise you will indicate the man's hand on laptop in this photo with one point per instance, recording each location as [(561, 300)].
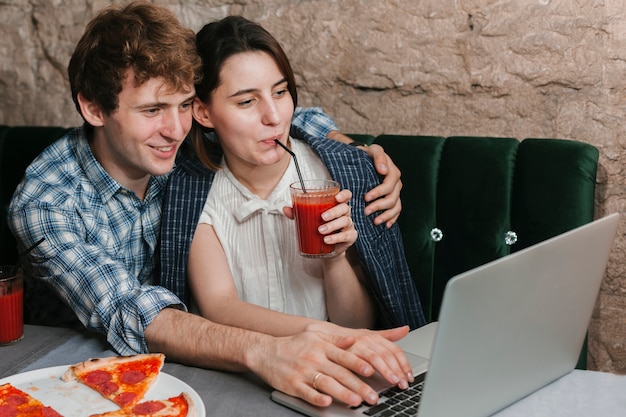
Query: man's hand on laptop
[(378, 349), (318, 367)]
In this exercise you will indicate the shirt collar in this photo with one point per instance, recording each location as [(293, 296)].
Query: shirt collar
[(105, 185)]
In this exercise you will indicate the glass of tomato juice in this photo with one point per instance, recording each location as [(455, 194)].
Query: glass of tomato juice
[(11, 304), (310, 198)]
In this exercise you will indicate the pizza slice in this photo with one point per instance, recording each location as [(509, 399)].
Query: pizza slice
[(179, 406), (121, 379), (15, 402)]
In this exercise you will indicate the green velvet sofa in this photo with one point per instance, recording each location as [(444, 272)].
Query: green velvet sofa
[(466, 200)]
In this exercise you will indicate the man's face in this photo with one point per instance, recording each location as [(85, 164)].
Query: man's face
[(141, 138)]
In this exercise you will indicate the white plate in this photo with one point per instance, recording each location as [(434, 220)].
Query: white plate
[(75, 399)]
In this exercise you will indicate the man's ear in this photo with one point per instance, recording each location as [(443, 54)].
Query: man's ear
[(92, 113), (201, 113)]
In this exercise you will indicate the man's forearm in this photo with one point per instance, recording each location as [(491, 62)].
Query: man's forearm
[(190, 339)]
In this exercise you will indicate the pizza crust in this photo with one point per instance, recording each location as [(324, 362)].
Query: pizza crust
[(103, 363), (191, 408)]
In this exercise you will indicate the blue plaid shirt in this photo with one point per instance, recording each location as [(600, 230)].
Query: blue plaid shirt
[(100, 248)]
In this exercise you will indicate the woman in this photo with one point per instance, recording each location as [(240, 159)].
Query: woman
[(244, 103)]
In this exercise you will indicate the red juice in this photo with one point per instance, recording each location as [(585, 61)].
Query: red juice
[(308, 219), (11, 316), (11, 304), (308, 208)]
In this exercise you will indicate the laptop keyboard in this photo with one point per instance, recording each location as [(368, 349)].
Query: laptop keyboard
[(398, 403)]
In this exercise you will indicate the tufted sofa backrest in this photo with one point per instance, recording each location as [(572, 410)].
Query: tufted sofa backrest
[(470, 200)]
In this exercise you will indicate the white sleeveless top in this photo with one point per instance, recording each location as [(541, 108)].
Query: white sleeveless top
[(261, 243)]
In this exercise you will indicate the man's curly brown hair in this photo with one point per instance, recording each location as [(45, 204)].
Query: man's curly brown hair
[(142, 37)]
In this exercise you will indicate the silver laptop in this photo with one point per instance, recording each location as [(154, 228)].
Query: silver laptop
[(505, 329)]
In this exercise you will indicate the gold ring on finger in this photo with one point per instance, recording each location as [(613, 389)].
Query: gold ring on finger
[(317, 375)]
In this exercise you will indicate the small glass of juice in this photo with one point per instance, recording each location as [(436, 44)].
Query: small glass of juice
[(11, 304), (310, 198)]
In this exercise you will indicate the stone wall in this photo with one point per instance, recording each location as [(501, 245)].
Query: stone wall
[(526, 68)]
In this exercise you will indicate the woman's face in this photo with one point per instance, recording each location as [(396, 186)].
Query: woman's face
[(250, 108)]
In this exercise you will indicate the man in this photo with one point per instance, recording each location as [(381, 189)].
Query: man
[(95, 197)]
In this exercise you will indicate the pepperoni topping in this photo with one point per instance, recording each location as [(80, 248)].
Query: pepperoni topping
[(108, 388), (97, 377), (125, 398), (7, 410), (16, 400), (148, 407), (132, 377)]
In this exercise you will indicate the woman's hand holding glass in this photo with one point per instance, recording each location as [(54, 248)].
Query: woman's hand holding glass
[(339, 227)]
